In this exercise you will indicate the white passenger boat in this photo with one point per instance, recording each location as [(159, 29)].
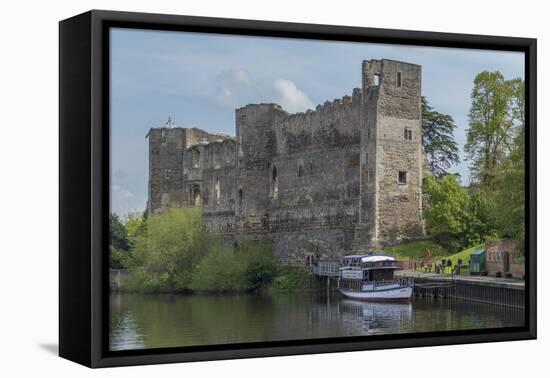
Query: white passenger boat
[(370, 278)]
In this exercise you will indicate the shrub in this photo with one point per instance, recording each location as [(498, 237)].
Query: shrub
[(247, 268), (166, 255)]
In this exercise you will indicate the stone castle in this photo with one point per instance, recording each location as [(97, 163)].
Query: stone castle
[(343, 178)]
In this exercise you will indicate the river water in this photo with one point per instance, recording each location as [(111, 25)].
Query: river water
[(153, 321)]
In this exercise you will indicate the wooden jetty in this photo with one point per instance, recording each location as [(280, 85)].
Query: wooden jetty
[(509, 293), (503, 292)]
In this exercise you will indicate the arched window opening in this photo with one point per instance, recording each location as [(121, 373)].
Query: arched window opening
[(300, 170), (196, 195), (197, 159)]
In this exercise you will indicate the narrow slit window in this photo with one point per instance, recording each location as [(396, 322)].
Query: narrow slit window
[(399, 79), (274, 183), (402, 178), (217, 190)]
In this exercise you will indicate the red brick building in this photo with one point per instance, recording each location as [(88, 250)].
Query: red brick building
[(504, 256)]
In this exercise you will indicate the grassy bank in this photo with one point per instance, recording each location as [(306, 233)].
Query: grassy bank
[(419, 250), (416, 250), (464, 255)]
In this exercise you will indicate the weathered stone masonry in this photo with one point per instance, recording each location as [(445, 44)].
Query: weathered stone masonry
[(343, 178)]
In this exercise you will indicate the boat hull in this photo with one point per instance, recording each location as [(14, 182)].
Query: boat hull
[(398, 294)]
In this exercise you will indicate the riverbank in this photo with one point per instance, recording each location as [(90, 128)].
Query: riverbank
[(285, 279)]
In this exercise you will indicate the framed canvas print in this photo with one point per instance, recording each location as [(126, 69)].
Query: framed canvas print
[(234, 188)]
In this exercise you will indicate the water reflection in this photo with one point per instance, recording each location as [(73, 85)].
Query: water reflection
[(151, 321)]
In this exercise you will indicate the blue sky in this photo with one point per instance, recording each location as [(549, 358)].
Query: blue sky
[(199, 79)]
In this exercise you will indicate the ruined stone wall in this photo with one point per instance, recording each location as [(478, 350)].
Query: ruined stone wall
[(300, 177), (177, 157)]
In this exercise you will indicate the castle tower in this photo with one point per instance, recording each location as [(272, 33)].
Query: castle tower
[(391, 154), (166, 148), (257, 175)]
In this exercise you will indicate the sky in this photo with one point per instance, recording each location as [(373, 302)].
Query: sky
[(198, 80)]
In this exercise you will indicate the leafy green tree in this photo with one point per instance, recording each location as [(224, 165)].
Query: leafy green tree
[(135, 226), (119, 246), (458, 217), (490, 130), (447, 215), (517, 106), (166, 256), (438, 139), (510, 194), (481, 220), (117, 231)]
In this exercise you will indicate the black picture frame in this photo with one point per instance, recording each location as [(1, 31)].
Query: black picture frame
[(84, 186)]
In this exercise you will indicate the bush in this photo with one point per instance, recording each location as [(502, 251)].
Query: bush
[(291, 279), (119, 258), (244, 269), (174, 252), (167, 254)]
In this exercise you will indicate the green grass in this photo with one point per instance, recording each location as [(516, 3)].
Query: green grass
[(418, 250), (464, 255), (415, 250)]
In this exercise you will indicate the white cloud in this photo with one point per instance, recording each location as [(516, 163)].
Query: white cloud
[(123, 201), (231, 87), (290, 97)]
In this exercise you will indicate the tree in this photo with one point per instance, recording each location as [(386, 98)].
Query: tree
[(166, 255), (117, 231), (447, 215), (491, 123), (135, 226), (119, 246), (456, 217), (438, 139), (510, 194)]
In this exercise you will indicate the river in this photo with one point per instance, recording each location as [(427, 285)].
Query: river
[(153, 321)]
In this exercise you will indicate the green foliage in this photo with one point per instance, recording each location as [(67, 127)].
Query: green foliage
[(119, 247), (455, 217), (119, 259), (416, 250), (464, 255), (438, 139), (244, 269), (173, 251), (495, 145), (220, 271), (481, 226), (510, 195), (496, 114), (136, 227), (170, 250), (291, 279), (117, 232)]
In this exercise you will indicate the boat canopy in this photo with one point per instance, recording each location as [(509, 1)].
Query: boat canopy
[(377, 258), (373, 257)]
